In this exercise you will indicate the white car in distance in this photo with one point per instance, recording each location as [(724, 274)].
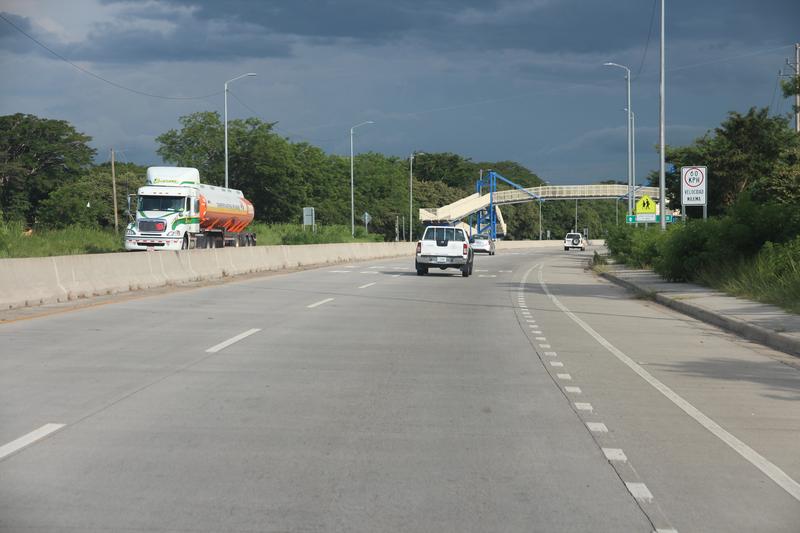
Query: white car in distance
[(482, 243), (574, 240)]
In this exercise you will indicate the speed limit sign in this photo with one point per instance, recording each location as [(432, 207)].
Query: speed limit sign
[(694, 183)]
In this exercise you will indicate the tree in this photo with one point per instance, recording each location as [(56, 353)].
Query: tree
[(744, 152), (87, 201), (36, 156)]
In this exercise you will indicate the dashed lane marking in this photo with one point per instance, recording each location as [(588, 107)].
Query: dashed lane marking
[(340, 271), (544, 346), (615, 454), (27, 440), (640, 492), (769, 469), (583, 406), (573, 390), (368, 285), (565, 377), (316, 304), (556, 364), (487, 275), (369, 272), (224, 344), (541, 338), (551, 354), (597, 427)]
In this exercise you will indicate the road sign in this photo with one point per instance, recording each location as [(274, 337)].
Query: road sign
[(647, 219), (366, 217), (645, 206), (308, 216), (693, 185)]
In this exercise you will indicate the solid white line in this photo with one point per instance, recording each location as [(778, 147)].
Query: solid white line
[(368, 285), (756, 459), (237, 338), (573, 390), (565, 377), (315, 304), (597, 427), (30, 438), (615, 454), (640, 491)]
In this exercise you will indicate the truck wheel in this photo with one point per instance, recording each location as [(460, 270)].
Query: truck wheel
[(465, 270)]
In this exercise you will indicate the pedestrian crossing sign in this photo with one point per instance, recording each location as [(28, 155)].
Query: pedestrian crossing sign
[(645, 206)]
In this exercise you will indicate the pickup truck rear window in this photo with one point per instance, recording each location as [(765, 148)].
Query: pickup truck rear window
[(441, 234)]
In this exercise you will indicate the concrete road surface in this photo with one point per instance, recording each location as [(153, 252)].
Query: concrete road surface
[(532, 396)]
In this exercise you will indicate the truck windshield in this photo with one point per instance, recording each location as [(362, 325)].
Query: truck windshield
[(161, 203)]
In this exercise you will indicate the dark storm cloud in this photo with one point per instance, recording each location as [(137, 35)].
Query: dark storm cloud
[(11, 39)]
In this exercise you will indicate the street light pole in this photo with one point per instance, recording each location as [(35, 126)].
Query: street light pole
[(629, 110), (226, 121), (352, 195), (661, 174)]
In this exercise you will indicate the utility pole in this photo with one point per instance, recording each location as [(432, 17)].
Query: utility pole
[(114, 192), (796, 67), (576, 214), (661, 177)]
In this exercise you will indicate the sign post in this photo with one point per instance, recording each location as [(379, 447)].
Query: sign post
[(694, 184)]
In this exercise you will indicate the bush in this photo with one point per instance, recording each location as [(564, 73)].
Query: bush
[(16, 241)]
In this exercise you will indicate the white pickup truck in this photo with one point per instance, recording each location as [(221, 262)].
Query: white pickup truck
[(444, 247)]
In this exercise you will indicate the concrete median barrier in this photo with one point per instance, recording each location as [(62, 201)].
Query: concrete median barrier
[(41, 280)]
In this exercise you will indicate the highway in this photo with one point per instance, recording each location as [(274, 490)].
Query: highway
[(532, 396)]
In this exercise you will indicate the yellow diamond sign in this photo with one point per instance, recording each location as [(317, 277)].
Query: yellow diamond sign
[(645, 206)]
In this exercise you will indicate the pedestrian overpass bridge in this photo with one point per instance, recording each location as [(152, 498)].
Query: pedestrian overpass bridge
[(478, 202)]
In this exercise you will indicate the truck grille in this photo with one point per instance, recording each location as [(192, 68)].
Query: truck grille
[(152, 225)]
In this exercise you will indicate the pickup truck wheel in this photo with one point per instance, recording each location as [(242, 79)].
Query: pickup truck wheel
[(465, 271)]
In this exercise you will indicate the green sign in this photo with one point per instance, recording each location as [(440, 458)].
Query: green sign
[(646, 219)]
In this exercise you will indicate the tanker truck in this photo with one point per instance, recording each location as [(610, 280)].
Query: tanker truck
[(174, 211)]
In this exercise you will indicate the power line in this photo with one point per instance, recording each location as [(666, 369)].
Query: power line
[(92, 74), (649, 34)]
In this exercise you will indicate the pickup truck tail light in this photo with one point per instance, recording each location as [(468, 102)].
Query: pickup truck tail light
[(419, 247), (466, 249)]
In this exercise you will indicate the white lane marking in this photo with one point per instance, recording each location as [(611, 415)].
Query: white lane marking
[(770, 469), (315, 304), (666, 530), (375, 267), (615, 454), (541, 338), (640, 491), (369, 272), (30, 438), (551, 354), (481, 270), (487, 275), (597, 427), (557, 364), (584, 406), (573, 390), (537, 331), (340, 271), (395, 275), (565, 377), (505, 271), (368, 285), (544, 346), (350, 266), (232, 340)]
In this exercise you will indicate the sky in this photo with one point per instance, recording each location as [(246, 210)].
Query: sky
[(490, 80)]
